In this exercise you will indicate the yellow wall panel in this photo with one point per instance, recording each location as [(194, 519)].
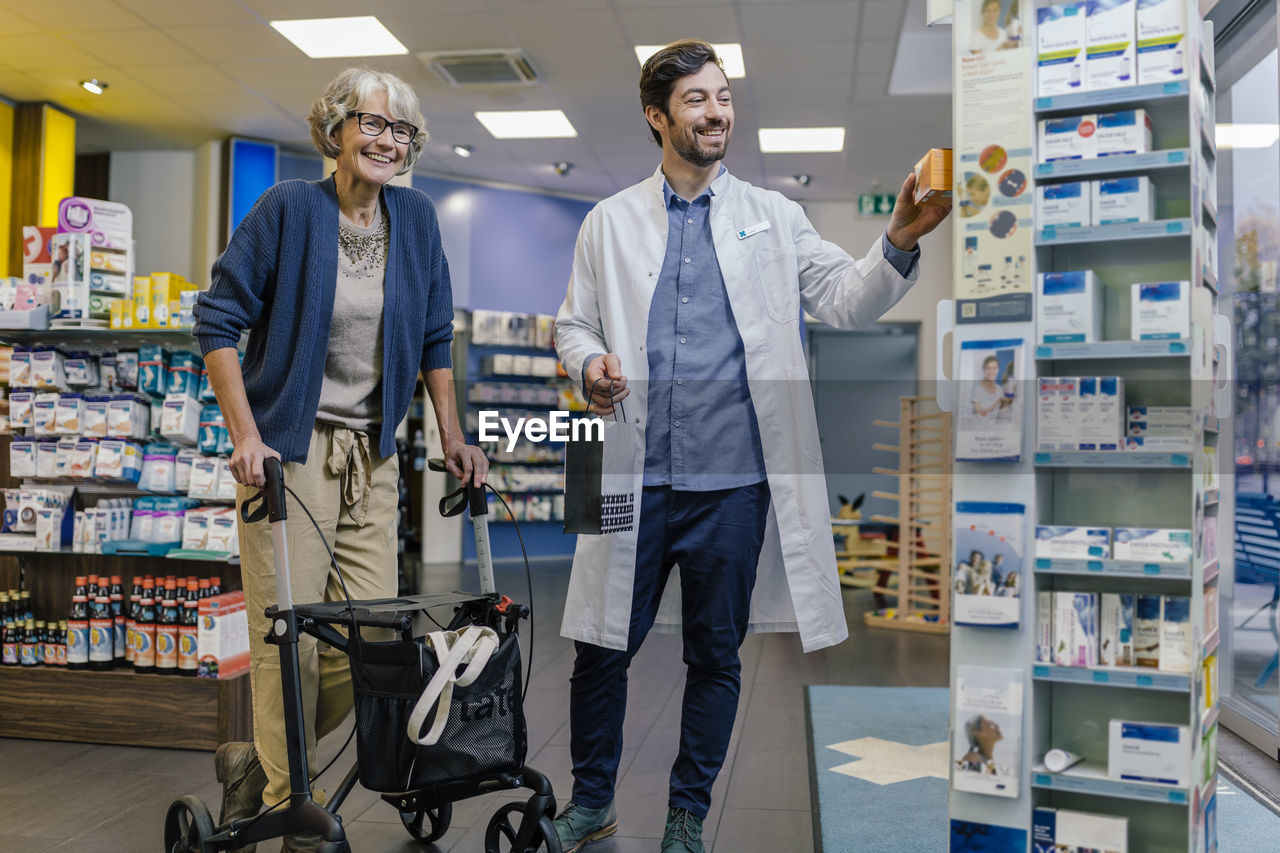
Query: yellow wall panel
[(6, 183), (59, 163)]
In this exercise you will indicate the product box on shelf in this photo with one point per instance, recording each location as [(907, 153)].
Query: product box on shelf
[(44, 414), (65, 455), (182, 469), (1160, 311), (1115, 636), (1057, 413), (1075, 629), (153, 370), (69, 414), (140, 316), (1068, 307), (1067, 542), (1146, 630), (1044, 627), (1124, 132), (1161, 35), (22, 458), (37, 258), (222, 535), (1149, 752), (158, 468), (1110, 36), (47, 459), (20, 403), (180, 418), (1175, 635), (128, 416), (81, 370), (109, 223), (223, 639), (1063, 831), (1068, 138), (84, 458), (204, 478), (1152, 545), (1121, 200), (1101, 413), (214, 439), (119, 460), (48, 371), (1068, 204), (933, 177), (1060, 44)]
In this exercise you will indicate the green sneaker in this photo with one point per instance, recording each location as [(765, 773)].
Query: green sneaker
[(578, 826), (237, 767), (683, 833)]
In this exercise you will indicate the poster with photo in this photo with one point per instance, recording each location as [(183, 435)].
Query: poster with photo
[(993, 161), (990, 407), (987, 577), (986, 743)]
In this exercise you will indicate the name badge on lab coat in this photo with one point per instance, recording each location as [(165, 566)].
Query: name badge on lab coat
[(752, 230)]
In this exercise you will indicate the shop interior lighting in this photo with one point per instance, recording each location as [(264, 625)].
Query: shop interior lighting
[(94, 85), (526, 124), (462, 150), (730, 54), (1247, 135), (562, 168), (801, 140), (803, 180), (326, 38)]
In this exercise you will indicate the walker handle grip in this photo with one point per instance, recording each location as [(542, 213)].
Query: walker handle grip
[(274, 489)]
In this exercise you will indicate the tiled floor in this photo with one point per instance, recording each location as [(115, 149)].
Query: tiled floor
[(106, 799)]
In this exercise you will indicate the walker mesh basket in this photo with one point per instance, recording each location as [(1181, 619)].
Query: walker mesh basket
[(485, 733)]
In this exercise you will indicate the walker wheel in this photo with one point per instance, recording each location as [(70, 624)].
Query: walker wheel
[(500, 836), (438, 822), (187, 826)]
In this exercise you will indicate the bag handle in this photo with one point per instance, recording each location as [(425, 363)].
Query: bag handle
[(590, 400), (473, 646)]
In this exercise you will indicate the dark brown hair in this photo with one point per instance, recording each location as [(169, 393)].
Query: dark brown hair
[(661, 71)]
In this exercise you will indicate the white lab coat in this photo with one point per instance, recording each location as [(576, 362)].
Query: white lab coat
[(769, 276)]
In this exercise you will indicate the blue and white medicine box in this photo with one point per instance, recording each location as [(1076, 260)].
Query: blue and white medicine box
[(1120, 200), (1149, 752), (1068, 138), (1160, 311), (1110, 39), (1056, 830), (1060, 38), (1074, 543), (1068, 307), (1068, 205), (1162, 41), (1123, 132)]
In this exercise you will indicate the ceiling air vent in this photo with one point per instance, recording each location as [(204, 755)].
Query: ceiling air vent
[(482, 67)]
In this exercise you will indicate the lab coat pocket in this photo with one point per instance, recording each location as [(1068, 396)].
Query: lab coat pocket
[(780, 281)]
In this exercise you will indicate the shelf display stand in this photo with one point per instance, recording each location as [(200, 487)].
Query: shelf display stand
[(918, 572), (1050, 697)]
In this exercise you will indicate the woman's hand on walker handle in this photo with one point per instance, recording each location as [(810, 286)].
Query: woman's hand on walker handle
[(466, 461), (247, 459), (603, 375)]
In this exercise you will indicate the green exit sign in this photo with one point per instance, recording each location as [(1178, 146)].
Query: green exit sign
[(876, 204)]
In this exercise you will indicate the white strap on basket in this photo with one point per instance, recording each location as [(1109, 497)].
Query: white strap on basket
[(472, 646)]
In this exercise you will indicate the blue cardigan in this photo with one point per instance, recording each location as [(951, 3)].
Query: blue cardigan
[(277, 279)]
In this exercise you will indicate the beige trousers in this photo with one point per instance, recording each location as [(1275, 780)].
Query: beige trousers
[(353, 496)]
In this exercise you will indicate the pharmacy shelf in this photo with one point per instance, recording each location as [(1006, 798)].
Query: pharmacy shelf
[(1110, 459), (1138, 96), (1208, 141), (1156, 229), (1089, 778), (1211, 571), (1112, 568), (1209, 721), (1211, 644), (1113, 350), (1119, 676), (108, 487), (1120, 164), (118, 338), (1210, 212), (1212, 497), (176, 554), (1208, 279)]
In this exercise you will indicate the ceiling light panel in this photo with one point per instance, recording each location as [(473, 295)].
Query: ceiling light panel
[(526, 124), (327, 38), (730, 54), (1247, 135), (801, 140)]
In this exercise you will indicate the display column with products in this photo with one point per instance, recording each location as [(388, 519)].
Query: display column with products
[(1090, 387)]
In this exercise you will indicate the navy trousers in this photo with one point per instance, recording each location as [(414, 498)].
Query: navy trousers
[(715, 538)]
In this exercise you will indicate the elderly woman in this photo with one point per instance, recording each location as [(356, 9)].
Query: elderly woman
[(344, 289)]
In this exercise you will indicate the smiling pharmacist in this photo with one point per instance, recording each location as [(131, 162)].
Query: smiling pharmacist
[(685, 300)]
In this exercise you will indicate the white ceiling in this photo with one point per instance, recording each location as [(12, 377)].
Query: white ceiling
[(185, 71)]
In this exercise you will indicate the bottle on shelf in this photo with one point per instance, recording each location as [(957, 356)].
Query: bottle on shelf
[(27, 649), (78, 627), (131, 619), (144, 632), (92, 590), (27, 611), (116, 598), (52, 643), (167, 631), (204, 588), (9, 642), (101, 631), (62, 643), (188, 631), (4, 607), (215, 586)]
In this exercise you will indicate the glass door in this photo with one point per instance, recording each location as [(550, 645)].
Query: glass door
[(1248, 186)]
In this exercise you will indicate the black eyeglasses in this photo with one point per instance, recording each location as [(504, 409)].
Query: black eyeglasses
[(372, 124)]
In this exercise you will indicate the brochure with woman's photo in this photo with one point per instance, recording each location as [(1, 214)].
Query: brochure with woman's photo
[(986, 744), (990, 408), (987, 578)]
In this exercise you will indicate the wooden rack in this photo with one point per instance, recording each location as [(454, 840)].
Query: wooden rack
[(917, 571)]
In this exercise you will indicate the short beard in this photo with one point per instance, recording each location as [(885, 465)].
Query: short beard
[(688, 149)]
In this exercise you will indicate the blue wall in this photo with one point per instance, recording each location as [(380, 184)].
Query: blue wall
[(508, 250)]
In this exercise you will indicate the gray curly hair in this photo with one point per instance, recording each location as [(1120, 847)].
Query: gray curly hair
[(343, 97)]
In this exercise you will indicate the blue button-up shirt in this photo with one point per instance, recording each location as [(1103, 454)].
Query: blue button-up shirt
[(702, 433)]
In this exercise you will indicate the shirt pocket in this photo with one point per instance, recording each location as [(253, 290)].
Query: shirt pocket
[(779, 279)]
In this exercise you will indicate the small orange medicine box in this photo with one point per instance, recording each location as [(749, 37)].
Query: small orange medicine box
[(933, 177)]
